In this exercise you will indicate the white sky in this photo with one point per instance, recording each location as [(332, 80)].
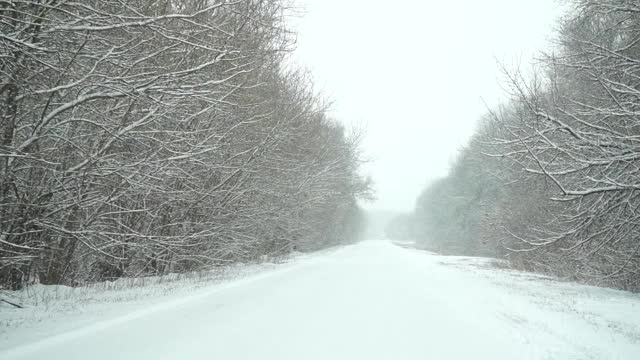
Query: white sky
[(414, 74)]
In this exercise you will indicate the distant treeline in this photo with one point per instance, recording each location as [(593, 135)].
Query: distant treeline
[(152, 136), (551, 180)]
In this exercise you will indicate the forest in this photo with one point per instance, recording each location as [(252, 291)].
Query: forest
[(148, 137), (550, 181)]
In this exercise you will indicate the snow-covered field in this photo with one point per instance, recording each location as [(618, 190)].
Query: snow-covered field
[(373, 300)]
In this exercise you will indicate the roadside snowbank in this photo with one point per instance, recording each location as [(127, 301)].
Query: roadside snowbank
[(55, 309)]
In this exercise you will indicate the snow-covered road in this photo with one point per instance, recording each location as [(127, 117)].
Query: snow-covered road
[(373, 300)]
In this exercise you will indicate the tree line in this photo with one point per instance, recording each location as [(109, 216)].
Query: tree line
[(551, 179), (145, 137)]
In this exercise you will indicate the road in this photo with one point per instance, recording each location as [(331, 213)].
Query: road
[(373, 300)]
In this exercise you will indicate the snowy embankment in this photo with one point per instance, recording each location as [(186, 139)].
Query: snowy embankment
[(369, 301), (47, 310)]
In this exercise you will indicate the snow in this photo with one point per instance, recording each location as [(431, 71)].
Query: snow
[(373, 300)]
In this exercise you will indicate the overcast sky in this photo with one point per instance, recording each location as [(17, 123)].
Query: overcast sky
[(415, 75)]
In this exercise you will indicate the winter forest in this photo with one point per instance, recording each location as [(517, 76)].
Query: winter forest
[(147, 137), (550, 180), (319, 179), (150, 137)]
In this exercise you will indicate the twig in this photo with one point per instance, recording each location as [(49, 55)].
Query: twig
[(12, 303)]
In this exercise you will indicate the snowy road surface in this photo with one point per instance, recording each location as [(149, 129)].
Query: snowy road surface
[(369, 301)]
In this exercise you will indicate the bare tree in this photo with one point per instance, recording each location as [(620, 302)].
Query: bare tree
[(143, 137)]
